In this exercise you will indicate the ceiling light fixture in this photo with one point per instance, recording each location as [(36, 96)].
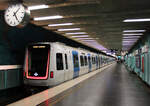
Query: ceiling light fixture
[(81, 36), (47, 18), (137, 20), (62, 24), (133, 34), (131, 37), (88, 40), (129, 40), (37, 7), (127, 44), (76, 33), (134, 31), (85, 38), (71, 29)]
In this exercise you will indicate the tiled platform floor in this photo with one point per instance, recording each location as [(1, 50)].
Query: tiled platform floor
[(113, 87)]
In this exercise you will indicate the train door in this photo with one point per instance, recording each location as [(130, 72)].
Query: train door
[(96, 62), (102, 61), (90, 64), (75, 63), (99, 62), (66, 70), (60, 67)]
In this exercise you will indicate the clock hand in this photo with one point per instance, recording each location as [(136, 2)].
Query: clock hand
[(17, 10), (16, 17)]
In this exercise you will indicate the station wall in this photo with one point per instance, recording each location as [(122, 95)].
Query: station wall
[(138, 59)]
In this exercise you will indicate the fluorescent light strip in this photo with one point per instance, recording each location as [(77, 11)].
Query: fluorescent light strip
[(133, 34), (62, 24), (80, 36), (47, 18), (127, 44), (71, 29), (85, 38), (88, 40), (134, 30), (37, 7), (131, 37), (128, 41), (137, 20), (76, 33)]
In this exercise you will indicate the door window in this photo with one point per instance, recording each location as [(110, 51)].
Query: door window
[(59, 61), (66, 61)]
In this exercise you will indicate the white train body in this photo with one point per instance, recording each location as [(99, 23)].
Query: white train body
[(49, 64)]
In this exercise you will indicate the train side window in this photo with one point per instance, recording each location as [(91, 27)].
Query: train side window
[(81, 60), (59, 61), (75, 60), (66, 61), (85, 59)]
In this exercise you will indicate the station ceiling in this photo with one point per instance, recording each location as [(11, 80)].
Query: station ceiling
[(101, 20)]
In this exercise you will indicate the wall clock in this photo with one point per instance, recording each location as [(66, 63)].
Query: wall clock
[(17, 15)]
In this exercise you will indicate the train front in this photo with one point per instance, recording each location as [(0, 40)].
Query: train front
[(37, 62)]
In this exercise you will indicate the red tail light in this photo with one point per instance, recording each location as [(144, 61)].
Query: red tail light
[(51, 74)]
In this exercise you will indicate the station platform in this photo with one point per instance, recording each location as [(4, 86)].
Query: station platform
[(114, 86)]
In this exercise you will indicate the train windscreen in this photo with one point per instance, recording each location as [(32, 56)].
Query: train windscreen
[(38, 61)]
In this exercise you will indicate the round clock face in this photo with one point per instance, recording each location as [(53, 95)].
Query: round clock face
[(15, 14)]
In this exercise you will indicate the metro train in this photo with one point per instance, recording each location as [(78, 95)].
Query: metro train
[(51, 63)]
